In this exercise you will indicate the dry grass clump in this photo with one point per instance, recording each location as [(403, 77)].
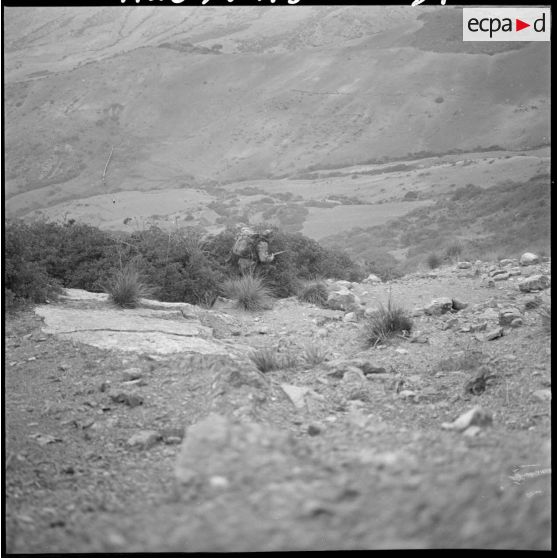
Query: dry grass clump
[(454, 249), (249, 292), (126, 288), (268, 359), (314, 292), (314, 355), (387, 322)]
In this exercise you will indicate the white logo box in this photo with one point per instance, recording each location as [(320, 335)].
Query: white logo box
[(502, 24)]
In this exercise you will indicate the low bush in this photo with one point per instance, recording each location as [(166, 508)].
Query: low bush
[(433, 260)]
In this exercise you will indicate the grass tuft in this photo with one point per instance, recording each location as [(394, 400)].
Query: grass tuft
[(314, 355), (126, 288), (454, 249), (270, 359), (314, 292), (249, 292), (388, 321)]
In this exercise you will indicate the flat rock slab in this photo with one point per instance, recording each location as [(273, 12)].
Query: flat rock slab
[(138, 330)]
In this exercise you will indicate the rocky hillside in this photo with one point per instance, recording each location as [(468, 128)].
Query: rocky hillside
[(193, 97), (171, 427)]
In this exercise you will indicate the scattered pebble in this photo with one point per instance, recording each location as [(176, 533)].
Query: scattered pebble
[(144, 439), (494, 334), (129, 398)]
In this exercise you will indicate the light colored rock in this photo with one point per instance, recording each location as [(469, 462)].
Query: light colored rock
[(406, 394), (439, 306), (534, 283), (296, 394), (342, 300), (543, 395), (339, 367), (353, 376), (145, 439), (477, 416), (239, 450), (219, 481), (138, 330), (418, 338), (350, 317), (472, 431), (528, 259), (489, 314), (502, 276), (417, 312), (464, 265), (508, 315), (131, 374), (507, 262), (518, 322), (449, 324), (494, 334), (341, 284), (372, 279)]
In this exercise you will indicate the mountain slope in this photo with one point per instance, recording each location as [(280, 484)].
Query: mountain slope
[(197, 96)]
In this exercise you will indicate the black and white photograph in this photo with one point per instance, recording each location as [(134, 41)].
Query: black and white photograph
[(277, 276)]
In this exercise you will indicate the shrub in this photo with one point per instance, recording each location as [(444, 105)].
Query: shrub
[(126, 288), (178, 264), (25, 274), (314, 292), (249, 292), (433, 260), (385, 323)]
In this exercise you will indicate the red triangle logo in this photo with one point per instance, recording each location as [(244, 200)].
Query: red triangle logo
[(519, 25)]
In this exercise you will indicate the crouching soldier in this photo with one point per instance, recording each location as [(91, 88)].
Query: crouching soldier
[(252, 248)]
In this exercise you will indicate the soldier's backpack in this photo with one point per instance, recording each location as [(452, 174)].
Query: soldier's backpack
[(244, 244)]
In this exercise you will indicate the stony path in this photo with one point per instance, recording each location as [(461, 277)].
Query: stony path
[(146, 450)]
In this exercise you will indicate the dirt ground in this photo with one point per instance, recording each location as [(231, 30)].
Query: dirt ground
[(351, 459)]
